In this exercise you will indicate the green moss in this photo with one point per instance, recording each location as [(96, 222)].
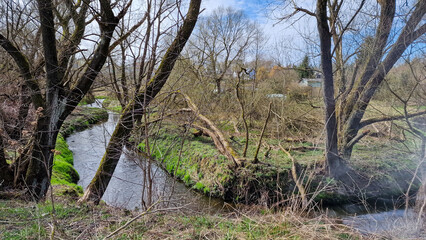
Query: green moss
[(63, 172)]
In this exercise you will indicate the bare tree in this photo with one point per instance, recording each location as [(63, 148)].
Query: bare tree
[(137, 107), (345, 118), (58, 94), (220, 40)]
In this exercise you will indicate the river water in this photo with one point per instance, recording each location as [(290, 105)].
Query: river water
[(126, 187), (127, 184)]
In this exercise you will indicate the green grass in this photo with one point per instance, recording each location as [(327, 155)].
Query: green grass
[(82, 119), (200, 165)]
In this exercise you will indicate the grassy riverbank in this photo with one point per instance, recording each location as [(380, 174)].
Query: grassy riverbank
[(83, 118), (63, 172), (20, 220), (196, 161)]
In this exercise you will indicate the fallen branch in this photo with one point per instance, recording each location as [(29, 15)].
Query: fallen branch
[(219, 139), (389, 118), (305, 148)]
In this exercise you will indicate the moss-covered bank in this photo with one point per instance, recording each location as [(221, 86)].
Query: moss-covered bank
[(63, 172), (83, 118)]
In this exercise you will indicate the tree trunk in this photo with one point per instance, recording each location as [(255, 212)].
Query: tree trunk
[(137, 106), (333, 160), (218, 86), (40, 167), (357, 103), (5, 172)]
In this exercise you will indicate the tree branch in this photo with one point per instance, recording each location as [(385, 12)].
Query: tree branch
[(24, 67), (389, 118), (356, 139)]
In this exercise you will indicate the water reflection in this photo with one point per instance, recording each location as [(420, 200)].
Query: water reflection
[(127, 184)]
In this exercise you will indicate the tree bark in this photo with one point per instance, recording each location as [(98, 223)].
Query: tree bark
[(134, 110), (5, 172), (333, 161)]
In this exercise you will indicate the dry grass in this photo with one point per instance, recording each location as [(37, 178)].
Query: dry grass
[(20, 220)]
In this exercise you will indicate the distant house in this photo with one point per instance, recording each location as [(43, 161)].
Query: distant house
[(312, 82)]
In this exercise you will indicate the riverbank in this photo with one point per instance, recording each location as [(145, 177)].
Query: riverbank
[(21, 220), (64, 175), (194, 159)]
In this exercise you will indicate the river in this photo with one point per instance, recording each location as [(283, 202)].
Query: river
[(125, 189)]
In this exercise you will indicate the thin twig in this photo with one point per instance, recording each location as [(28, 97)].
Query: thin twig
[(263, 132)]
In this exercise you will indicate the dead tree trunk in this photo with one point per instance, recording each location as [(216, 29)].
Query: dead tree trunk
[(218, 138), (134, 110)]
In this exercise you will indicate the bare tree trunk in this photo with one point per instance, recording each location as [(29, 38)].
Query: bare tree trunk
[(40, 167), (218, 85), (38, 174), (134, 110), (333, 161)]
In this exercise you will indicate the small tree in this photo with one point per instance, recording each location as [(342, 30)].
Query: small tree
[(304, 69)]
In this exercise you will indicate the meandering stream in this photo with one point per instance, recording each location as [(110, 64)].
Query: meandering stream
[(127, 186)]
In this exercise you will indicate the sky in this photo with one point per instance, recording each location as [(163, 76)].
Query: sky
[(289, 41), (285, 43)]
